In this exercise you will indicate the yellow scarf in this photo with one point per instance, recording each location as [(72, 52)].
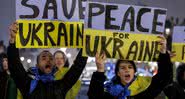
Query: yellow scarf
[(19, 95), (72, 93), (139, 85)]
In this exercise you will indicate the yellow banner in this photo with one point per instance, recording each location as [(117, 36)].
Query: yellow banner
[(49, 34), (179, 50), (121, 45)]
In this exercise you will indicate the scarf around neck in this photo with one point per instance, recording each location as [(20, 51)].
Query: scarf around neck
[(44, 78), (117, 89)]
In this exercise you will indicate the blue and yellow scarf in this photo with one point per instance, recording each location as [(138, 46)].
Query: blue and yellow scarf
[(138, 85), (44, 78)]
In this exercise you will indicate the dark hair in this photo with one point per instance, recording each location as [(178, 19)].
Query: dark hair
[(119, 61), (66, 64), (180, 74), (40, 54), (2, 55)]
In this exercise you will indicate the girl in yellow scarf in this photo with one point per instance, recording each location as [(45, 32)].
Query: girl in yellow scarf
[(62, 65)]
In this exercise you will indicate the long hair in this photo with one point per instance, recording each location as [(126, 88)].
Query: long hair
[(66, 62), (2, 55)]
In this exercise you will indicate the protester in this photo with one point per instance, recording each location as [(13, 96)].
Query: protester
[(8, 88), (41, 85), (176, 90), (62, 65), (127, 85)]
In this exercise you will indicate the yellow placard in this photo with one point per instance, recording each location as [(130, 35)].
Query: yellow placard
[(179, 50), (121, 45), (49, 34)]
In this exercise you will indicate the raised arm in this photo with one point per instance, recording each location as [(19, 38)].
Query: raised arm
[(16, 68), (96, 88), (74, 72), (164, 75)]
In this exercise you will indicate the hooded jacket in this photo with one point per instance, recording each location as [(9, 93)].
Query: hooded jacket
[(8, 88)]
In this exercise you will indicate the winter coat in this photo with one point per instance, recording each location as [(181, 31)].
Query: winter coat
[(8, 88), (51, 90), (176, 90), (150, 91)]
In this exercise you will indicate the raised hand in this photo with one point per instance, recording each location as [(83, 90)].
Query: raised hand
[(13, 31), (172, 54), (100, 59), (163, 43)]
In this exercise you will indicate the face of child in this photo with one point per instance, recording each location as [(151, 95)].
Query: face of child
[(126, 72), (59, 60)]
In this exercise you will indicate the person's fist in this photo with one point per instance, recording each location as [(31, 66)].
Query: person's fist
[(13, 31), (163, 43)]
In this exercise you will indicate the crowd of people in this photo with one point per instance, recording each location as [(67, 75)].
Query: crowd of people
[(52, 78)]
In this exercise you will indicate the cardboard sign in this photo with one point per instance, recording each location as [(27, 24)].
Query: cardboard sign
[(49, 34), (65, 10), (50, 23), (123, 31), (125, 18), (178, 43), (121, 45)]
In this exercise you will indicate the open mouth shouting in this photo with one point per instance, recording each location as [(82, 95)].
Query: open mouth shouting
[(127, 77)]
